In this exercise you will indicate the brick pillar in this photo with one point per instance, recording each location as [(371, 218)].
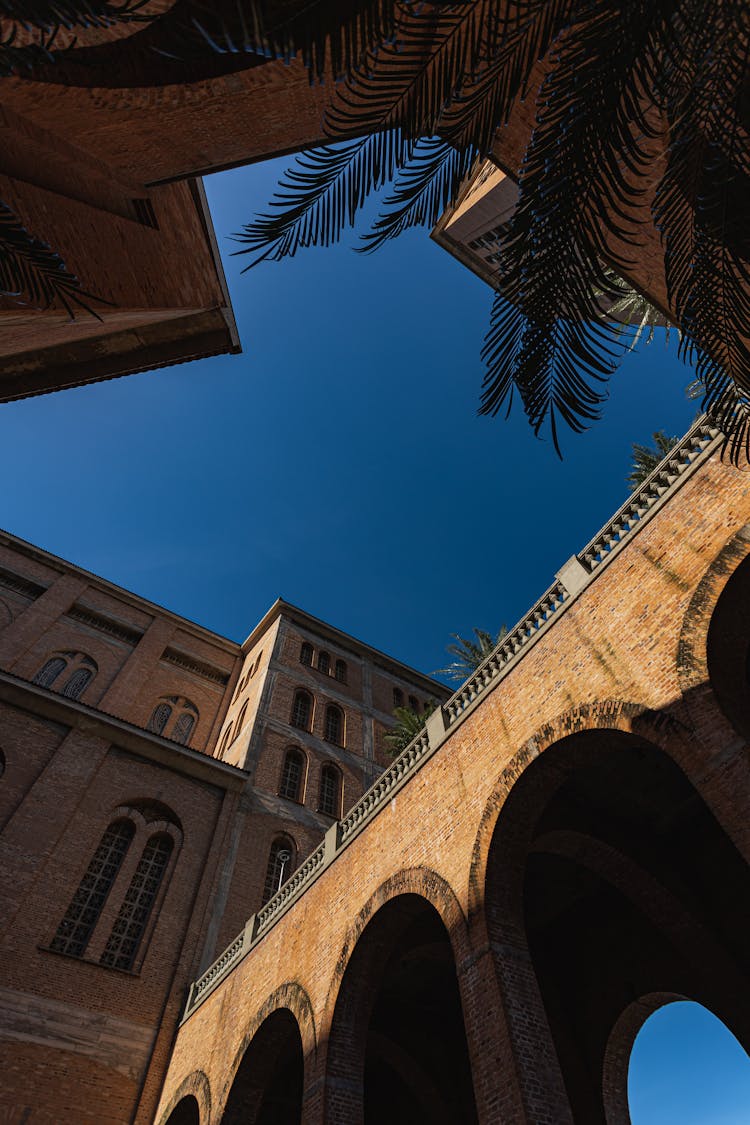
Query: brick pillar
[(131, 683), (37, 618)]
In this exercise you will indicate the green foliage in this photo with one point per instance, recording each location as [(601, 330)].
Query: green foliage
[(469, 653), (647, 457), (408, 725), (426, 103)]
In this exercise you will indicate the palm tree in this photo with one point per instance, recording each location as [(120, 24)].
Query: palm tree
[(424, 106), (408, 725), (469, 654), (647, 457)]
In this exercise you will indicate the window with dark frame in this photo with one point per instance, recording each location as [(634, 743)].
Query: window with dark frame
[(292, 774), (49, 671), (76, 928), (334, 725), (398, 697), (159, 718), (75, 685), (280, 866), (324, 663), (306, 653), (183, 728), (330, 790), (301, 710), (413, 703), (130, 924), (341, 671)]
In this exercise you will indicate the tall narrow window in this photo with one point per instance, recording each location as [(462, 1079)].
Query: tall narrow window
[(341, 671), (77, 926), (225, 740), (123, 942), (398, 697), (302, 710), (292, 774), (280, 866), (77, 682), (330, 791), (306, 653), (49, 672), (241, 719), (334, 728), (324, 663), (413, 703), (159, 717), (183, 728)]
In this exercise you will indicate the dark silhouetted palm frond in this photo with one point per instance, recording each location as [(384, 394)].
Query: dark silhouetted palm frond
[(408, 725), (624, 84), (31, 273), (31, 27)]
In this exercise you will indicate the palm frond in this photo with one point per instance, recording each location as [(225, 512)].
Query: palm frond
[(470, 652), (330, 36), (31, 273), (408, 725), (647, 457), (44, 19)]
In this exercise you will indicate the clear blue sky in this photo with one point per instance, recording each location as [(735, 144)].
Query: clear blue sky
[(339, 462)]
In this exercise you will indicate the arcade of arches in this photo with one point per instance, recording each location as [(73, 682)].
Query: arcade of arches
[(487, 949)]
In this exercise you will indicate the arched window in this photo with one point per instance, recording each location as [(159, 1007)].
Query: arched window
[(49, 672), (159, 718), (281, 864), (256, 665), (413, 703), (130, 924), (398, 697), (306, 653), (334, 728), (175, 717), (330, 790), (341, 671), (225, 740), (241, 719), (302, 710), (183, 728), (324, 663), (292, 775), (77, 926), (77, 682)]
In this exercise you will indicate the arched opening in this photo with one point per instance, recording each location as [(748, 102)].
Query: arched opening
[(728, 649), (607, 866), (267, 1088), (186, 1112), (685, 1067), (397, 1050)]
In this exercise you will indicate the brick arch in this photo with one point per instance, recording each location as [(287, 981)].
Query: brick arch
[(619, 1049), (692, 648), (421, 881), (196, 1085), (403, 898), (663, 729), (292, 997)]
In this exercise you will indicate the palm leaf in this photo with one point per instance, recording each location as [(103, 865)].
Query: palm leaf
[(46, 18), (31, 273), (470, 652)]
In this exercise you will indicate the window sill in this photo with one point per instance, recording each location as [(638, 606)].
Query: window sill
[(88, 961)]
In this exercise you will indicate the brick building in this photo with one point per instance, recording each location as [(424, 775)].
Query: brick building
[(211, 916), (158, 783)]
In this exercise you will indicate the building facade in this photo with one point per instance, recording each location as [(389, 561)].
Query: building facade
[(159, 782), (563, 851)]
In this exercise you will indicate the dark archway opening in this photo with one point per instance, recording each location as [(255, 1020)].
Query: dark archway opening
[(186, 1112), (728, 649), (267, 1088), (624, 885), (398, 1038)]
